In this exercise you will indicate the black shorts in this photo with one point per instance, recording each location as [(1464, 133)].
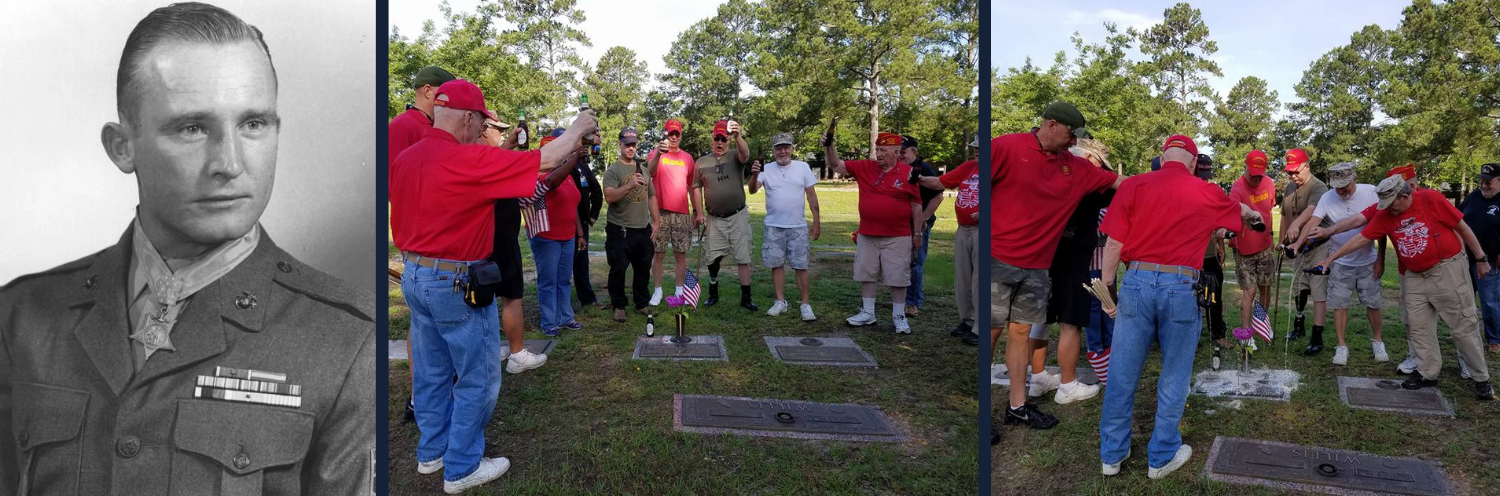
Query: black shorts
[(1069, 302), (507, 248)]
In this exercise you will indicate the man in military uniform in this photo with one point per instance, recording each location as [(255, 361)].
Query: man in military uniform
[(194, 356)]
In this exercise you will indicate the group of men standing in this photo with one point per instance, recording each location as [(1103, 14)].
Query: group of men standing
[(1167, 227)]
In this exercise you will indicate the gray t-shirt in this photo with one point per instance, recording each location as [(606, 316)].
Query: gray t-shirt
[(632, 210), (723, 183)]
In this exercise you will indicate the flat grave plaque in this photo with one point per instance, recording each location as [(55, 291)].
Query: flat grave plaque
[(538, 346), (781, 418), (1000, 375), (1257, 384), (1306, 468), (662, 348), (839, 352), (1386, 395)]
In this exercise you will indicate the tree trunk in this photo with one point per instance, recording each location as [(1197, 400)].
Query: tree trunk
[(874, 107)]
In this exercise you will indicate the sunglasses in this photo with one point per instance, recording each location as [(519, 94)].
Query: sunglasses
[(720, 139), (674, 134)]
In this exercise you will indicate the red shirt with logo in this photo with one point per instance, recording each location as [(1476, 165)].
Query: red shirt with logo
[(1167, 216), (443, 195), (562, 211), (673, 180), (405, 130), (885, 198), (966, 179), (1261, 200), (1032, 194), (1425, 234)]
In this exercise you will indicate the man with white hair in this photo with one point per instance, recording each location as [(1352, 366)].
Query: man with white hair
[(890, 223), (966, 245), (787, 235)]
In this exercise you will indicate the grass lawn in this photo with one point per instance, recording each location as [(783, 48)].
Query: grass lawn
[(1065, 459), (593, 421)]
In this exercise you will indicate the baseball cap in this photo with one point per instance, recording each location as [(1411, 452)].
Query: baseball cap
[(1095, 148), (1295, 158), (432, 75), (1407, 172), (721, 128), (1068, 115), (1255, 163), (1341, 175), (781, 139), (908, 142), (546, 139), (1388, 189), (888, 139), (462, 95), (1489, 171), (1180, 141), (673, 125), (1156, 163), (628, 136)]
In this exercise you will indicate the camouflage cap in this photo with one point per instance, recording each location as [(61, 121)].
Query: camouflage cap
[(1341, 175)]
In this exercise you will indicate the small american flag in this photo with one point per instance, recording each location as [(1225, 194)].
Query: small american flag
[(1260, 323), (690, 288), (534, 209)]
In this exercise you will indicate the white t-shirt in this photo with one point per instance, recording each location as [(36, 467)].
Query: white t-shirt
[(785, 189), (1334, 209)]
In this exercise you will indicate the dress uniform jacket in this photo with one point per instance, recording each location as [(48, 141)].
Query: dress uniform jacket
[(77, 419)]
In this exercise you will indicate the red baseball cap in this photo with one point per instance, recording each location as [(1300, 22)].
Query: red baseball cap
[(721, 128), (1406, 172), (1180, 141), (888, 139), (1295, 158), (545, 140), (462, 95), (674, 125), (1255, 163)]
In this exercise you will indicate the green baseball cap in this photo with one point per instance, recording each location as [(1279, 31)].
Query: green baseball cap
[(1068, 115), (431, 75)]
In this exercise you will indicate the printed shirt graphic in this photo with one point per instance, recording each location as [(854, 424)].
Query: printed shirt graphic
[(1424, 234), (966, 178)]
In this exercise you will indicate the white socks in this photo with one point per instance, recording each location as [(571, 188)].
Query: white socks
[(898, 310), (869, 305)]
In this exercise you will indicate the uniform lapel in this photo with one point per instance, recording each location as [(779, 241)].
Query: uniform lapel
[(104, 329)]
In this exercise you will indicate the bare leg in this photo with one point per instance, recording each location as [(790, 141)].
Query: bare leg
[(1067, 352), (1340, 321), (745, 275), (1016, 348), (681, 262), (1375, 322), (513, 323), (802, 284), (778, 281), (1320, 312), (657, 268), (1038, 355)]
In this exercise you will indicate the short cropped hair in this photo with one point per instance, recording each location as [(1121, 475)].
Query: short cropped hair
[(190, 22)]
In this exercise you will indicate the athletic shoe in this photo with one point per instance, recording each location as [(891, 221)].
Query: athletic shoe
[(901, 326), (862, 318), (574, 325), (807, 315), (1030, 416), (656, 297), (489, 469), (1494, 348), (425, 468), (1407, 366), (972, 339), (961, 329), (552, 332), (1463, 369), (1484, 391), (524, 360), (1184, 452), (1041, 383), (1341, 355), (1114, 468), (777, 308), (1417, 382), (1075, 391), (1380, 354)]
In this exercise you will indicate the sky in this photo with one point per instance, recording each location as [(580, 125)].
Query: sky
[(1274, 40)]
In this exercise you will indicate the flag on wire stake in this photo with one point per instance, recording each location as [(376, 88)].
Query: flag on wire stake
[(690, 288), (1260, 323)]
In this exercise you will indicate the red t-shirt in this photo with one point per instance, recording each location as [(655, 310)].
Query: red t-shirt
[(1261, 200), (405, 130), (966, 179), (885, 198), (562, 212), (1032, 194), (1166, 217), (1425, 234), (673, 180), (443, 195)]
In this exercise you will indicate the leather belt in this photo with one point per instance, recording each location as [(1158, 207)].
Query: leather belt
[(1165, 269), (433, 263), (731, 214)]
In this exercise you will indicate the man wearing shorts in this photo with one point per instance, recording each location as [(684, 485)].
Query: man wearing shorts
[(1354, 272), (1252, 250), (720, 179), (787, 235), (671, 170), (890, 223), (1303, 193)]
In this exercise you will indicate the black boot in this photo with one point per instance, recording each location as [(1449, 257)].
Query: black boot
[(972, 339), (1297, 327), (745, 301), (411, 413), (1314, 345), (963, 328), (713, 294)]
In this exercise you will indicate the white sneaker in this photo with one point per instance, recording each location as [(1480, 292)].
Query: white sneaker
[(524, 360), (1407, 366), (430, 467), (1184, 452), (1380, 355), (1075, 391), (1041, 383), (901, 326), (1463, 369), (862, 318), (807, 315), (489, 469), (1341, 355), (656, 297), (777, 308), (1114, 468)]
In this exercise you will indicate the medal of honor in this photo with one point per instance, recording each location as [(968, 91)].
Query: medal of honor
[(157, 333)]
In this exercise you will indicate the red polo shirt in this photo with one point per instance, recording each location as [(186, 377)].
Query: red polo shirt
[(1166, 217), (1261, 200), (1032, 194), (1425, 234), (966, 179), (443, 195), (405, 130), (885, 198)]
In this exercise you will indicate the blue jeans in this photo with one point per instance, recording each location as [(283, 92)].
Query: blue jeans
[(1489, 303), (1101, 329), (1153, 307), (914, 296), (452, 339), (554, 280)]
